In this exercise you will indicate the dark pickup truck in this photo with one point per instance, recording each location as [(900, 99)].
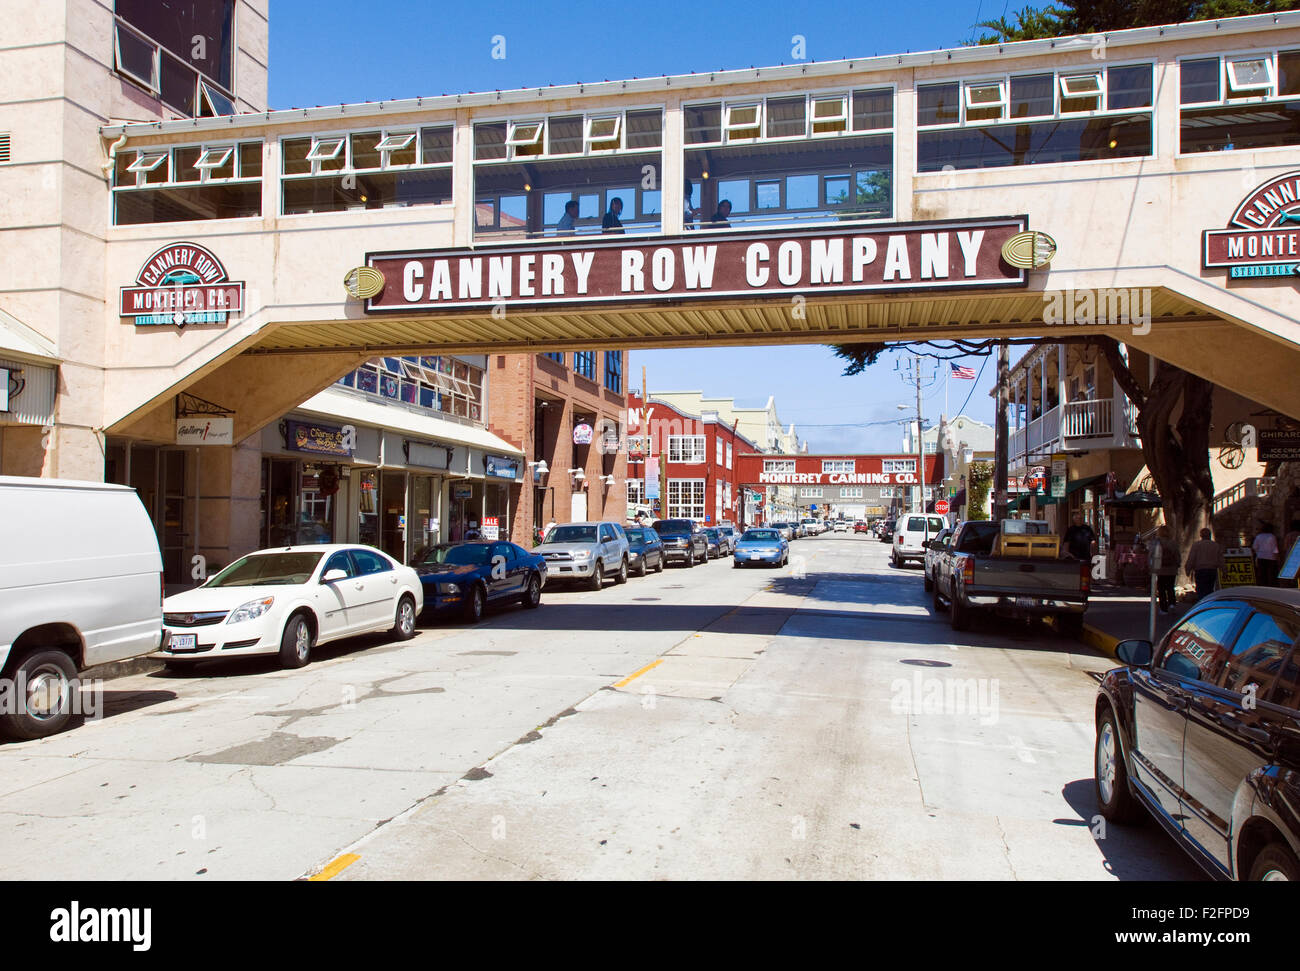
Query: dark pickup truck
[(1013, 569)]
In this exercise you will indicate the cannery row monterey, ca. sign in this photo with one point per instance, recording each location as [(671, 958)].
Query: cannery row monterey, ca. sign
[(182, 283), (1263, 235), (897, 257)]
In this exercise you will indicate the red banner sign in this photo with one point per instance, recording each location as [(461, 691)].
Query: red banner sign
[(897, 257), (1264, 231)]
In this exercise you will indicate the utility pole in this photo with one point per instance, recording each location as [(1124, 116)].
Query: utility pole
[(912, 371), (1000, 434)]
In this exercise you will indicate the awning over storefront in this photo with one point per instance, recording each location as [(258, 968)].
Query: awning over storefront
[(28, 374), (1022, 501), (342, 405)]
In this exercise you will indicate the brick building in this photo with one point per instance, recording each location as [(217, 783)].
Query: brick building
[(559, 409), (697, 461)]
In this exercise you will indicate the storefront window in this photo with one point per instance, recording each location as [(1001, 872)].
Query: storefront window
[(393, 521), (368, 508)]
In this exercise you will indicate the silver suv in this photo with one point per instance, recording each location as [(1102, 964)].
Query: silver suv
[(585, 551)]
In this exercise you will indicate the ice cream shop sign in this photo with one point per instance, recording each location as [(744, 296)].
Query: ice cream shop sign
[(182, 283)]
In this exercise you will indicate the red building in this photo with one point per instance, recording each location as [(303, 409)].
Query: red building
[(693, 458)]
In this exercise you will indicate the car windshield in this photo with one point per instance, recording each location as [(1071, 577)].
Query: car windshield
[(670, 527), (759, 534), (267, 569), (636, 536), (462, 554), (572, 534)]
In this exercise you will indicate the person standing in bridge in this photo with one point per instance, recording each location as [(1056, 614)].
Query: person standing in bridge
[(565, 226), (611, 223), (722, 216)]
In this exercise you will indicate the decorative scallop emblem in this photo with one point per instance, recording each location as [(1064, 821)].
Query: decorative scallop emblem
[(363, 282), (1029, 250)]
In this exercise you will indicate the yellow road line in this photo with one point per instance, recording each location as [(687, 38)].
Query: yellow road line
[(636, 674), (336, 867)]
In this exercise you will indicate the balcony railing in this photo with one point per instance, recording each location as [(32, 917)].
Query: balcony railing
[(1089, 419), (1245, 489)]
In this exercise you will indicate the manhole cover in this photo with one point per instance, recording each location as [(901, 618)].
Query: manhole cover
[(925, 662), (646, 599)]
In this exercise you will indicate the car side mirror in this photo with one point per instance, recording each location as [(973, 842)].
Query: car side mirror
[(1135, 653), (334, 576)]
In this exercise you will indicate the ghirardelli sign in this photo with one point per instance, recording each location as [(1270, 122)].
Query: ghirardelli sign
[(706, 265), (1263, 235), (182, 283)]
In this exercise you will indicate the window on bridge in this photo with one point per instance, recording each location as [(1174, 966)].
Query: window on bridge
[(528, 170), (822, 157), (376, 169), (178, 183), (1239, 101), (1072, 115)]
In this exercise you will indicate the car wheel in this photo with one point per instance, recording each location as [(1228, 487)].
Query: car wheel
[(735, 564), (533, 594), (690, 559), (295, 644), (621, 576), (1114, 798), (50, 686), (642, 569), (938, 600), (894, 561), (1070, 625), (597, 579), (474, 604), (929, 584), (659, 567), (958, 614), (404, 626), (1275, 862)]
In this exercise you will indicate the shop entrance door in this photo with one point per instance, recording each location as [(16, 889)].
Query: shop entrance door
[(578, 508), (423, 524), (392, 531)]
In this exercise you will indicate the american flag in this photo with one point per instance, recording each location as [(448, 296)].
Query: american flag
[(961, 371)]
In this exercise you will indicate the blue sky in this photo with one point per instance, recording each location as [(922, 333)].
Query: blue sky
[(330, 52)]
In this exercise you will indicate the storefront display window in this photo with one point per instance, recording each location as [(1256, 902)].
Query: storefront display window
[(368, 508)]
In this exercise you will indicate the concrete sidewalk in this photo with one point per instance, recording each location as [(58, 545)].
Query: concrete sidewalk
[(1120, 613)]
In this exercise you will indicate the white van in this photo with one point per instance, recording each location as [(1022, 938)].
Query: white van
[(911, 534), (80, 585)]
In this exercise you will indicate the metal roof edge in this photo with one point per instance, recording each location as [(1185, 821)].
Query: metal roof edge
[(535, 95)]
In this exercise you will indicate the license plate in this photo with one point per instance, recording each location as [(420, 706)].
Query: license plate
[(1026, 602), (184, 642)]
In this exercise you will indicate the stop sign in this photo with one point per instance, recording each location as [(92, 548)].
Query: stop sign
[(941, 506)]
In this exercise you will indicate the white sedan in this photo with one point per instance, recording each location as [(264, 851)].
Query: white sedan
[(285, 601)]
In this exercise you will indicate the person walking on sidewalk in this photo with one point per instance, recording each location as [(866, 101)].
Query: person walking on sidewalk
[(1203, 563), (1165, 566), (1265, 547)]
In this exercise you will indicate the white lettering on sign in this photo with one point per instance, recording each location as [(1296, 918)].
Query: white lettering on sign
[(526, 262), (896, 262), (412, 272), (552, 274), (633, 278), (697, 261), (826, 261), (582, 267), (934, 256), (499, 276), (864, 254), (440, 286), (755, 275), (970, 243), (662, 269), (789, 263)]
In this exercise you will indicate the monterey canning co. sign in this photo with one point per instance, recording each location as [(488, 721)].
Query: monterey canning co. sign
[(1263, 238), (182, 283), (729, 263)]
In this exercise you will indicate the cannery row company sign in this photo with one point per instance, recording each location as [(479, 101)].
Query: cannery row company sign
[(896, 257), (182, 283), (1263, 235)]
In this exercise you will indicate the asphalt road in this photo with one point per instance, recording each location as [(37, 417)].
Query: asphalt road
[(812, 722)]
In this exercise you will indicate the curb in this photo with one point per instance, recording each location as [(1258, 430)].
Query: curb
[(122, 669), (1099, 639)]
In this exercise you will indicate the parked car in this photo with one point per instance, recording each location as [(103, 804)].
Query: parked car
[(885, 531), (645, 550), (468, 577), (728, 531), (288, 601), (684, 540), (786, 530), (586, 551), (80, 584), (761, 545), (716, 545), (811, 526), (998, 568), (1203, 732), (841, 526), (910, 536), (861, 527), (934, 550)]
